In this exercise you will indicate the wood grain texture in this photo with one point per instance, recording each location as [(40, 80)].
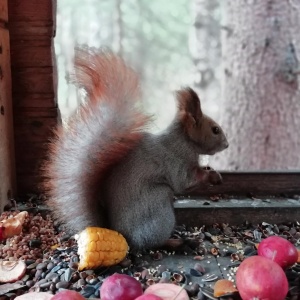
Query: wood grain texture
[(33, 80), (7, 175), (29, 153), (32, 17), (33, 129), (39, 29), (237, 211), (45, 100), (28, 183), (3, 11), (34, 85), (32, 54), (31, 10), (254, 183)]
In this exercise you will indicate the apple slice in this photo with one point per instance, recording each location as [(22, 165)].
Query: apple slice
[(35, 296), (167, 291), (12, 226), (148, 297), (11, 271)]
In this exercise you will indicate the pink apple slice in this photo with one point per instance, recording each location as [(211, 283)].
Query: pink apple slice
[(11, 271), (167, 291)]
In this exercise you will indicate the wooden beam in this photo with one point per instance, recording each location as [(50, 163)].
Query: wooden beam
[(195, 212), (41, 100), (32, 17), (33, 129), (26, 157), (3, 11), (36, 53), (7, 169), (33, 80), (30, 11), (34, 85)]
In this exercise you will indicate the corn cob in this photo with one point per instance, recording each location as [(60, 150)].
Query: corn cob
[(100, 247)]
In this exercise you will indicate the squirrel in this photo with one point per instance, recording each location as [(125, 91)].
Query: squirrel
[(104, 167)]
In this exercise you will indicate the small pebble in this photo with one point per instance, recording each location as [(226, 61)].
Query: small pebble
[(46, 285), (30, 283), (73, 265), (62, 285), (87, 291), (35, 243), (68, 274), (56, 268), (50, 266), (51, 275), (41, 266)]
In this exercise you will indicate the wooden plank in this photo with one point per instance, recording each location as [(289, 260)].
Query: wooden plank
[(29, 157), (7, 175), (36, 112), (28, 183), (54, 14), (237, 211), (32, 17), (255, 183), (39, 40), (34, 84), (31, 55), (33, 129), (34, 100), (3, 11), (30, 10), (37, 29), (33, 80)]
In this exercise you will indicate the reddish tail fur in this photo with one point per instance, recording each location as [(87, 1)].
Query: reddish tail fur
[(105, 128)]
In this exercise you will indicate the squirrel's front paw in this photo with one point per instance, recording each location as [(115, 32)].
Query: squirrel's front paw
[(214, 177)]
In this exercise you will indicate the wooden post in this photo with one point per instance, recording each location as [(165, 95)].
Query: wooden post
[(7, 168), (32, 29)]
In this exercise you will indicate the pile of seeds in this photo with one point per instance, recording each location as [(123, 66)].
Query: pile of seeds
[(187, 258), (37, 237)]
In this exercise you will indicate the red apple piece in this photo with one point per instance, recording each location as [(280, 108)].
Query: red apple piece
[(279, 250), (120, 287), (261, 278), (68, 295)]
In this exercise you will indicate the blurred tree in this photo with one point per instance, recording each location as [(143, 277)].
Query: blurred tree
[(261, 109), (205, 48), (151, 35), (119, 32)]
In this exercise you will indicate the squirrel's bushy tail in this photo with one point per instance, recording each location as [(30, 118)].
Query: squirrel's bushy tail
[(106, 126)]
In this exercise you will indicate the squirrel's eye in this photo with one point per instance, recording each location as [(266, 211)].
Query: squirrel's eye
[(216, 130)]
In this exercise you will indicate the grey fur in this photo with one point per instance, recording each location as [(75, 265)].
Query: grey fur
[(140, 190), (133, 195)]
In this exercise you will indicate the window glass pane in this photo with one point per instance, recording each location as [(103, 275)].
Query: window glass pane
[(240, 58)]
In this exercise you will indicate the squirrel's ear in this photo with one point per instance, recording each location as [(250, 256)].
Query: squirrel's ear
[(189, 107)]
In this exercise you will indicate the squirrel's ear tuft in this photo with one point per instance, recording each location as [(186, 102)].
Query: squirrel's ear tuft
[(189, 107)]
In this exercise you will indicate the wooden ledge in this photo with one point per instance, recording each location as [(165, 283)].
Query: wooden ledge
[(260, 183), (202, 211)]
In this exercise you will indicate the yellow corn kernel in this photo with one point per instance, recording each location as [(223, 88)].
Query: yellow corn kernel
[(100, 247)]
